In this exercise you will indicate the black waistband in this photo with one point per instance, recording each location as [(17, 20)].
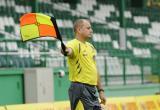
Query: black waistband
[(83, 83)]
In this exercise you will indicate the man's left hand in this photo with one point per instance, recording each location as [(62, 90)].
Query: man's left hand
[(102, 97)]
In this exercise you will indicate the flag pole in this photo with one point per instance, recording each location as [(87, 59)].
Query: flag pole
[(59, 35)]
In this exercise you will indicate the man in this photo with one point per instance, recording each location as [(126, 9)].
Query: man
[(83, 72)]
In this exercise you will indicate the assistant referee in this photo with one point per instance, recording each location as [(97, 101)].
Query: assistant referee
[(83, 73)]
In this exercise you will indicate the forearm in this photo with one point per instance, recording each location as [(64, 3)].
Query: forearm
[(101, 90), (99, 84)]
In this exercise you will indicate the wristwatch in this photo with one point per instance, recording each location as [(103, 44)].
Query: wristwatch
[(99, 90)]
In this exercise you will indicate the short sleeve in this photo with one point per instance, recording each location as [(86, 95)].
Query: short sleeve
[(73, 46), (95, 52)]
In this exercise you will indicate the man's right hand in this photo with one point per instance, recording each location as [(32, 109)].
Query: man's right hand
[(68, 52), (65, 53)]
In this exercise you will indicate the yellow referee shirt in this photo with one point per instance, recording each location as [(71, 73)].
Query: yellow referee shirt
[(82, 65)]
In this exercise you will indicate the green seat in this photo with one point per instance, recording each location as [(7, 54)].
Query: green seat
[(9, 29), (3, 61), (2, 36)]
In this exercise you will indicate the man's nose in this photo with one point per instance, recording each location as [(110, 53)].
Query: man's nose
[(91, 30)]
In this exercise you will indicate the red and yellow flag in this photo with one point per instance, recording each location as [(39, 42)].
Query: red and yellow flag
[(35, 25)]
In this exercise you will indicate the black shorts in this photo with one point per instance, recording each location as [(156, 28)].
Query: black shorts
[(86, 94)]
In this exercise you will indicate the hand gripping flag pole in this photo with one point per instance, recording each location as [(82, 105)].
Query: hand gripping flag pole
[(36, 25)]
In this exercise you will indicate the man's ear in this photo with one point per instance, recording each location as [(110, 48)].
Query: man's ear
[(79, 30)]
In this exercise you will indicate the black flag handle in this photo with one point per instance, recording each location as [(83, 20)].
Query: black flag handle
[(59, 36), (63, 48)]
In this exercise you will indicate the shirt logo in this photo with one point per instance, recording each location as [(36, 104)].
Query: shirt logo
[(85, 53)]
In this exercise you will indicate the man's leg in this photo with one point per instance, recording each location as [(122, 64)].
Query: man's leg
[(89, 98), (74, 94)]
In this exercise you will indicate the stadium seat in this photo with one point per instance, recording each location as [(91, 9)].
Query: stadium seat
[(114, 66), (141, 19)]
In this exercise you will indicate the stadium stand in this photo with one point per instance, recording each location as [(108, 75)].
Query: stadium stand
[(130, 72), (142, 31)]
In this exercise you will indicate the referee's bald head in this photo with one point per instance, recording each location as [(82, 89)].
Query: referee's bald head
[(79, 23)]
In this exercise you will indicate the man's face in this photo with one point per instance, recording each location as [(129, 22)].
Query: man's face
[(86, 30)]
